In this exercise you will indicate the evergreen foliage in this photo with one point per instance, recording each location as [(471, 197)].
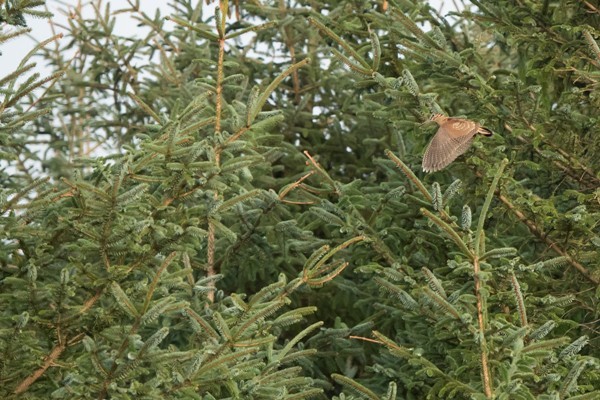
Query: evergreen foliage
[(232, 206)]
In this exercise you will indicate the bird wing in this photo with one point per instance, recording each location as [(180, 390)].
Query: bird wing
[(451, 140), (457, 127)]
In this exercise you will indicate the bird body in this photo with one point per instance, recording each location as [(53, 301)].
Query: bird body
[(452, 139)]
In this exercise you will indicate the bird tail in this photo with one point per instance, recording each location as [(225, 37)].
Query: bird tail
[(484, 131)]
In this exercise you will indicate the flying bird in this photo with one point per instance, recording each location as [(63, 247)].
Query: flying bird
[(452, 139)]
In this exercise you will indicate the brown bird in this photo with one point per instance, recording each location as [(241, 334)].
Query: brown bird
[(452, 139)]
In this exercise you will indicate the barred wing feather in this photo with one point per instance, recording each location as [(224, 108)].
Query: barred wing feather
[(446, 145)]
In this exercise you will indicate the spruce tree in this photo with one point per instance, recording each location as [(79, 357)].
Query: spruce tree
[(232, 207)]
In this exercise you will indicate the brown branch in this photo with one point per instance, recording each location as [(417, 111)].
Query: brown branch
[(219, 85), (568, 169), (219, 88), (236, 135), (485, 368), (541, 235), (365, 339), (294, 185), (210, 262), (210, 255), (591, 7), (48, 362), (86, 305), (289, 42), (319, 169), (533, 228)]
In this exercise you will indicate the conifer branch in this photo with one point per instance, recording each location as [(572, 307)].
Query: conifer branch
[(574, 347), (466, 218), (10, 204), (210, 258), (432, 369), (502, 252), (567, 167), (413, 28), (409, 174), (452, 190), (486, 206), (376, 49), (220, 20), (382, 249), (316, 272), (520, 300), (267, 310), (237, 135), (340, 41), (40, 45), (405, 299), (267, 92), (437, 199), (251, 105), (545, 345), (226, 205), (49, 361), (223, 361), (434, 282), (296, 339), (197, 319), (353, 66), (483, 349), (321, 171), (253, 28), (201, 32), (440, 302), (366, 339), (222, 198), (592, 43), (287, 189), (197, 125), (16, 73), (326, 273), (220, 75), (123, 300), (543, 330), (570, 382), (307, 394), (293, 316), (28, 88), (6, 36), (86, 306), (314, 258), (450, 231), (544, 237), (146, 108), (355, 386), (411, 84), (150, 292)]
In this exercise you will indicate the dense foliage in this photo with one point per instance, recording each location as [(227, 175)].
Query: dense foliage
[(232, 206)]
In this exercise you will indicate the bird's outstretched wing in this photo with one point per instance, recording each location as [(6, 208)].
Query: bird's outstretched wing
[(451, 140)]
